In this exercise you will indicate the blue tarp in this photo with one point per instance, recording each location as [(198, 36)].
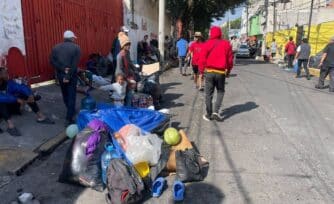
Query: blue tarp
[(117, 117)]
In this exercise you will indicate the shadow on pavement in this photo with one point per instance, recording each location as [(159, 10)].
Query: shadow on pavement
[(203, 193), (166, 86), (236, 109), (168, 100)]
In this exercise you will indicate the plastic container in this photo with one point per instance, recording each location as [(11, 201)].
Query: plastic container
[(109, 154), (142, 168)]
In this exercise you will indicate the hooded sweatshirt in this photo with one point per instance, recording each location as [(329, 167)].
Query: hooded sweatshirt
[(216, 53)]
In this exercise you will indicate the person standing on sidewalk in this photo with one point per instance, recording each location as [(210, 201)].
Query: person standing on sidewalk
[(195, 51), (217, 61), (182, 47), (290, 50), (235, 47), (273, 49), (65, 58), (303, 55), (327, 66)]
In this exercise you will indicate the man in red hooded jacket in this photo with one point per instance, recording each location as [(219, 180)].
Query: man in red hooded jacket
[(217, 61), (290, 50)]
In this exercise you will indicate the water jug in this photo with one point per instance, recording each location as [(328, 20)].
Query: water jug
[(109, 154), (88, 103)]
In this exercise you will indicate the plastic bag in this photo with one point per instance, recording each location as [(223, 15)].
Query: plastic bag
[(83, 158), (138, 145), (145, 148)]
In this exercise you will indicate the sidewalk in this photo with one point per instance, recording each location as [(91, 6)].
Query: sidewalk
[(17, 152)]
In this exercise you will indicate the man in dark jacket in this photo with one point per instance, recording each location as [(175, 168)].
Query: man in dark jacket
[(217, 61), (327, 66), (65, 58), (12, 96)]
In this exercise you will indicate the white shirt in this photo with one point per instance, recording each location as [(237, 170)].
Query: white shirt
[(299, 48)]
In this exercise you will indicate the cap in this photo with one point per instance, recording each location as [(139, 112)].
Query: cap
[(125, 29), (198, 34), (69, 34)]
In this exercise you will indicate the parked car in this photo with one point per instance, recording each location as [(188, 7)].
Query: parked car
[(243, 51)]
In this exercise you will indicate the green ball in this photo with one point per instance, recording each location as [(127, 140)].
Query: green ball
[(72, 131), (172, 136)]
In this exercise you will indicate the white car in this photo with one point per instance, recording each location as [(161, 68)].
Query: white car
[(243, 51)]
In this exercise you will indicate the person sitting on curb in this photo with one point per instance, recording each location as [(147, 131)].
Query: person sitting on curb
[(12, 97)]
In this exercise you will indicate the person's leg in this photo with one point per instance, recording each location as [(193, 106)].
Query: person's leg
[(71, 90), (305, 63), (299, 67), (184, 65), (195, 71), (6, 115), (324, 70), (220, 86), (290, 61), (64, 91), (331, 79), (209, 90), (180, 65)]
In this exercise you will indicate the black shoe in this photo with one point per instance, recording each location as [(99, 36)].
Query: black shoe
[(14, 132), (207, 117), (319, 86), (217, 117), (69, 122), (1, 131)]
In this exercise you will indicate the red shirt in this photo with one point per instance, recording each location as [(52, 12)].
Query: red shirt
[(195, 48), (290, 48)]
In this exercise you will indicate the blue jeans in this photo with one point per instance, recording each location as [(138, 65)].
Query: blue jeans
[(69, 92), (183, 65)]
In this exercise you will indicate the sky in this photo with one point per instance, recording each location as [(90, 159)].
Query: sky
[(238, 12)]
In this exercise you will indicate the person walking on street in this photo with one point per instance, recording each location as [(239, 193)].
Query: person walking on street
[(182, 47), (273, 49), (235, 47), (290, 50), (303, 55), (327, 66), (217, 61), (65, 58), (194, 52)]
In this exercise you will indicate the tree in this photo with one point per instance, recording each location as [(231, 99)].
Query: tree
[(199, 14)]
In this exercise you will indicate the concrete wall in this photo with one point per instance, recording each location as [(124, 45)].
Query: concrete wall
[(11, 27), (146, 17)]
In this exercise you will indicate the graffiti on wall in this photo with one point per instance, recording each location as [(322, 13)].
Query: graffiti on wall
[(11, 26)]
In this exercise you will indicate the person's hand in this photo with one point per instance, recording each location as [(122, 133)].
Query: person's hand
[(67, 70), (320, 64), (20, 101), (31, 99), (66, 81), (228, 73)]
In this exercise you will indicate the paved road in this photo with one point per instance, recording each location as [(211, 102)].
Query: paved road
[(275, 145)]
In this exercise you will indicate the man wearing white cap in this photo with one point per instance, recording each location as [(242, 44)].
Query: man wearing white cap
[(327, 66), (64, 58)]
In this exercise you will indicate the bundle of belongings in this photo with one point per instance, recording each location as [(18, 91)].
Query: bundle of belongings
[(128, 156)]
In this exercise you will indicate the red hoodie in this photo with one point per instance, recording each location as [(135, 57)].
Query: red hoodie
[(216, 53), (290, 48)]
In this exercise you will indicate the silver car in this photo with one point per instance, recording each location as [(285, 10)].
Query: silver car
[(243, 51)]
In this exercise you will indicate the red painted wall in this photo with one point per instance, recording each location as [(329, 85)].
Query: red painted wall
[(95, 23)]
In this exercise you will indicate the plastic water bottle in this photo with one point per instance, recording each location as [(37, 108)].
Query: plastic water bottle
[(109, 154)]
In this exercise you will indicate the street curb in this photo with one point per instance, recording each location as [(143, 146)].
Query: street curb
[(20, 168), (49, 146)]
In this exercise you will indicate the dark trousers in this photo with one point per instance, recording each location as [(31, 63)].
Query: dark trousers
[(324, 72), (214, 81), (69, 92), (290, 60), (8, 109), (302, 62)]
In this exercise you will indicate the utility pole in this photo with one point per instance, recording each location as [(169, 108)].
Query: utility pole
[(247, 14), (310, 21), (274, 18), (162, 28)]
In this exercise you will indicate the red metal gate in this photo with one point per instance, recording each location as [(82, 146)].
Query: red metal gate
[(95, 23)]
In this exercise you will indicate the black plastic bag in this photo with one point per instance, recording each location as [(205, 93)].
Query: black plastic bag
[(82, 164), (190, 166)]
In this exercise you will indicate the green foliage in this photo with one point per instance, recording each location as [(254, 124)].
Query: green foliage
[(199, 12)]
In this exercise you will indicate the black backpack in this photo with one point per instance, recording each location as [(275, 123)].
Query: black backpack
[(123, 183)]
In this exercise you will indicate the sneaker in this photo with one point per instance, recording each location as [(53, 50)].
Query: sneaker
[(217, 117), (308, 78), (14, 132), (207, 117), (297, 76), (319, 86)]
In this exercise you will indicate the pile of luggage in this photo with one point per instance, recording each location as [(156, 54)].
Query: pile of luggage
[(129, 159)]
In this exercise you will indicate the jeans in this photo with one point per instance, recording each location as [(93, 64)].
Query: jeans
[(324, 72), (8, 109), (304, 63), (214, 81), (290, 60), (182, 65), (69, 92)]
